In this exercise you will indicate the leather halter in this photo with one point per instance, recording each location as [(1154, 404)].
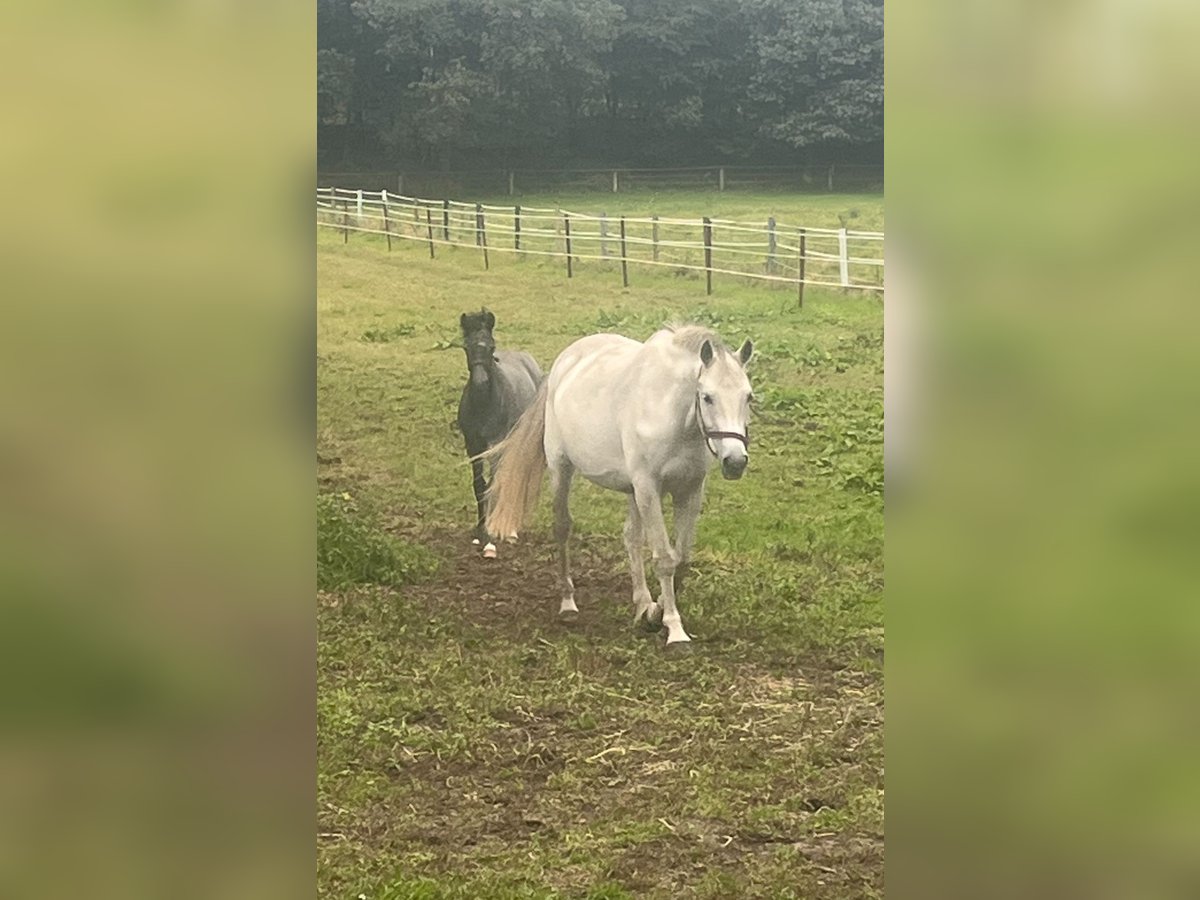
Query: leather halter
[(708, 434)]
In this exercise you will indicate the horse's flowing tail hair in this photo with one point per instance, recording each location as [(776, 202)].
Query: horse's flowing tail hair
[(521, 462)]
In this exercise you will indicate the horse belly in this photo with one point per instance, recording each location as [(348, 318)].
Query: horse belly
[(612, 479), (581, 420), (593, 448)]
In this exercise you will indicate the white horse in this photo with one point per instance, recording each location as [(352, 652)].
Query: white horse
[(644, 419)]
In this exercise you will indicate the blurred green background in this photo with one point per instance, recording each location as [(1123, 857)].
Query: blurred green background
[(156, 474), (1042, 400), (156, 468)]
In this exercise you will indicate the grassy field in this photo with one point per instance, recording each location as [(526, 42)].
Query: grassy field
[(469, 744)]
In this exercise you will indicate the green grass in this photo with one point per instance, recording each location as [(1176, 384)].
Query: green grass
[(469, 746), (351, 550)]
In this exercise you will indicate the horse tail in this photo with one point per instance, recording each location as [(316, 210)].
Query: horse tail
[(521, 462)]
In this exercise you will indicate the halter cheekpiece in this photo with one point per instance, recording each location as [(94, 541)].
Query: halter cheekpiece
[(708, 434)]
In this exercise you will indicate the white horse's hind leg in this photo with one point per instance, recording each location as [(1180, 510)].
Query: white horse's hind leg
[(561, 473), (646, 612), (649, 503)]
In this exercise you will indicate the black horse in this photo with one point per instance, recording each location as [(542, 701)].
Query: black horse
[(502, 384)]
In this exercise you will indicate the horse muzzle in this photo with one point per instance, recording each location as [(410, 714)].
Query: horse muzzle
[(733, 465)]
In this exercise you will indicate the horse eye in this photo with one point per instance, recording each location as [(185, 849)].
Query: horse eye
[(707, 398)]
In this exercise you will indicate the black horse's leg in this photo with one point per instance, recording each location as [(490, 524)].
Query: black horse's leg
[(480, 485)]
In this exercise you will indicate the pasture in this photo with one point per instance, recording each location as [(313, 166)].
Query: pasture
[(469, 744)]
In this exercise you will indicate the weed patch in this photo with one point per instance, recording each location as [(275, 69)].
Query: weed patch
[(385, 335), (351, 550)]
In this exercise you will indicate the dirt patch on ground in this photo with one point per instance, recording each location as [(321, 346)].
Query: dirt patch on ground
[(519, 590), (487, 746)]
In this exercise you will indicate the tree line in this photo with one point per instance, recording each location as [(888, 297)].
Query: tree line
[(451, 84)]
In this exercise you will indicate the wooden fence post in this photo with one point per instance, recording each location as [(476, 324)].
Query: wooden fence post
[(624, 259), (615, 183), (429, 228), (708, 254), (358, 206), (654, 237), (800, 277), (387, 224), (345, 221), (567, 233), (604, 234), (721, 178), (510, 182), (770, 245), (843, 259), (517, 227), (400, 184), (481, 232), (446, 220)]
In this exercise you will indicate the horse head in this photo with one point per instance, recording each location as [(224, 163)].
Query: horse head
[(723, 405), (479, 345)]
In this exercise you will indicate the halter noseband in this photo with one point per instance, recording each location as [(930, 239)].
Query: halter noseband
[(709, 435)]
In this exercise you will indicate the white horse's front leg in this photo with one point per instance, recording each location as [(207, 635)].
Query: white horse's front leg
[(646, 612), (649, 503), (687, 513)]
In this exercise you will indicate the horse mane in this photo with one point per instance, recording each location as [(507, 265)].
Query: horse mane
[(691, 337)]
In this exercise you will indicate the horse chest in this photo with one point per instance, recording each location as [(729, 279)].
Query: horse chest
[(484, 418), (683, 472)]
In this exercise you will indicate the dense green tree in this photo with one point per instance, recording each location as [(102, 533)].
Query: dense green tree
[(460, 83), (819, 71), (494, 78)]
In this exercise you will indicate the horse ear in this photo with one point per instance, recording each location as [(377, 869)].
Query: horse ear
[(491, 320), (746, 350), (706, 352)]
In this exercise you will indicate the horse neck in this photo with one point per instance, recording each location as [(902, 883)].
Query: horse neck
[(683, 390), (484, 394), (685, 393)]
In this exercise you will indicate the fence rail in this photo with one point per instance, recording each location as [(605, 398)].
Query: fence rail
[(772, 252), (804, 178)]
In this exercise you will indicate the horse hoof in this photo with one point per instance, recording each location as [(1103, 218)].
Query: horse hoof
[(568, 616), (489, 551), (511, 538), (679, 648)]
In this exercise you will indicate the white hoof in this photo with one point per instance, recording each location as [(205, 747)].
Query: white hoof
[(511, 538), (489, 551)]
